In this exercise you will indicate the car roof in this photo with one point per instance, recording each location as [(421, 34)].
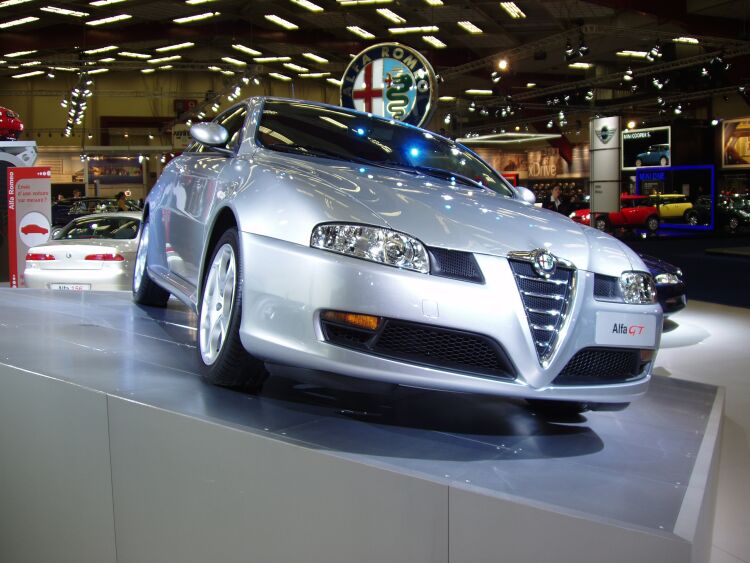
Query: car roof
[(668, 196), (633, 196)]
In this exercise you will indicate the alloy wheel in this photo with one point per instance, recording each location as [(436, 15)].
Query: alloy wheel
[(216, 307)]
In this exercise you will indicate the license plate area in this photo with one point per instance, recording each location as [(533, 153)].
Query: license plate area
[(70, 286), (625, 329)]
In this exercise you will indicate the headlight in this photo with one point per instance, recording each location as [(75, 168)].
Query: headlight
[(372, 243), (638, 288), (667, 279)]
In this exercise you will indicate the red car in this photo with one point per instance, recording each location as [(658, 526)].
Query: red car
[(10, 125), (635, 211), (33, 228)]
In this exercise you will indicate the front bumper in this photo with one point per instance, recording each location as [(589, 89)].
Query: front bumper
[(287, 285)]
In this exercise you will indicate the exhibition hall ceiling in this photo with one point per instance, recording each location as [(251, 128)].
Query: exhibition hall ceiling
[(599, 53)]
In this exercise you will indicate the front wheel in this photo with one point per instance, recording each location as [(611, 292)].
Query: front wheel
[(691, 218), (601, 223), (225, 361), (145, 291), (734, 223), (652, 223)]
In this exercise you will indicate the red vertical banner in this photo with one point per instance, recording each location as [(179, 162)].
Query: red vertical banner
[(29, 215), (12, 247)]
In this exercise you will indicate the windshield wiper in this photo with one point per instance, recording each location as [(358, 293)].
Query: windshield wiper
[(448, 175)]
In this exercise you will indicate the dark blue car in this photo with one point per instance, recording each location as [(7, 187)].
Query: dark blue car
[(656, 155), (670, 286)]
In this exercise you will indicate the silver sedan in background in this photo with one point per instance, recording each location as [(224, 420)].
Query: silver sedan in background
[(94, 252), (337, 242)]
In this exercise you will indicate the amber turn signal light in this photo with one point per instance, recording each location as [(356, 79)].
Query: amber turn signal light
[(354, 319), (647, 355)]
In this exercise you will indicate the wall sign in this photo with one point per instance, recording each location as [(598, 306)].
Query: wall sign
[(735, 143), (390, 80), (29, 214), (646, 147)]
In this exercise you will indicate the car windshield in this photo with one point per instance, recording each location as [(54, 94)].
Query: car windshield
[(337, 133), (122, 228)]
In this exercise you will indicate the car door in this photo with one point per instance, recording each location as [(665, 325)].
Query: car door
[(192, 197)]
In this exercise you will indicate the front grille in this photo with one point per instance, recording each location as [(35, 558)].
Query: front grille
[(546, 302), (592, 366), (454, 264), (422, 344)]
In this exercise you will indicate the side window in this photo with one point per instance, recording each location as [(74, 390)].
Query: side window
[(233, 120)]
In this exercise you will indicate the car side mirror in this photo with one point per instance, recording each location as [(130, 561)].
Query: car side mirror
[(209, 134), (526, 195), (56, 233)]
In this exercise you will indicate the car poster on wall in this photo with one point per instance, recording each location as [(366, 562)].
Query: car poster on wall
[(646, 147), (735, 143)]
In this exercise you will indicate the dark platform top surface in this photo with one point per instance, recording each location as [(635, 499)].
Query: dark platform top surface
[(632, 466)]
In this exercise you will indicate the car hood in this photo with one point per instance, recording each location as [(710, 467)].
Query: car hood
[(456, 216)]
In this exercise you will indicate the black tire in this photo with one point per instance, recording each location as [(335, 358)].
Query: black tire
[(145, 290), (733, 224), (558, 408), (601, 223), (231, 366), (652, 223), (638, 163), (663, 161)]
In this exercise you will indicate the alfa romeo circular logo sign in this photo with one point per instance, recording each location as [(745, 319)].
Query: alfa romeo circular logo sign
[(390, 80)]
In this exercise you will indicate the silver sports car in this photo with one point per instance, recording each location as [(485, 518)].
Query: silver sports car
[(327, 239), (93, 252)]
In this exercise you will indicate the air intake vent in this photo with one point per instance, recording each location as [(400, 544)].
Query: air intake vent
[(600, 366), (454, 264), (546, 302)]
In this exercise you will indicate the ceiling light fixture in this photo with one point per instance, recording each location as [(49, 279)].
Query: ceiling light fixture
[(247, 50), (233, 61), (174, 47), (470, 27), (21, 21), (628, 76), (132, 55), (513, 10), (307, 5), (391, 15), (334, 81), (286, 24), (414, 29), (28, 74), (197, 17), (690, 40), (272, 59), (64, 12), (363, 33), (101, 50), (296, 68), (314, 57), (632, 54), (580, 65), (111, 19), (279, 76), (7, 3), (314, 74), (434, 41), (362, 2), (100, 3), (19, 53), (164, 59), (478, 92)]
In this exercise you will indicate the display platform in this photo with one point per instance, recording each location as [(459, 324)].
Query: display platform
[(113, 449)]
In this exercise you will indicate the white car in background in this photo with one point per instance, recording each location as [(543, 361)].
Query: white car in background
[(94, 252)]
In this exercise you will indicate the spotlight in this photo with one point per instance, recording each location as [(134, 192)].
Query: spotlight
[(503, 64), (705, 73), (495, 77), (589, 95), (654, 53), (569, 51), (715, 122), (550, 123), (631, 124), (659, 101), (628, 76), (472, 106), (678, 109), (583, 49), (447, 119), (658, 84), (634, 88)]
